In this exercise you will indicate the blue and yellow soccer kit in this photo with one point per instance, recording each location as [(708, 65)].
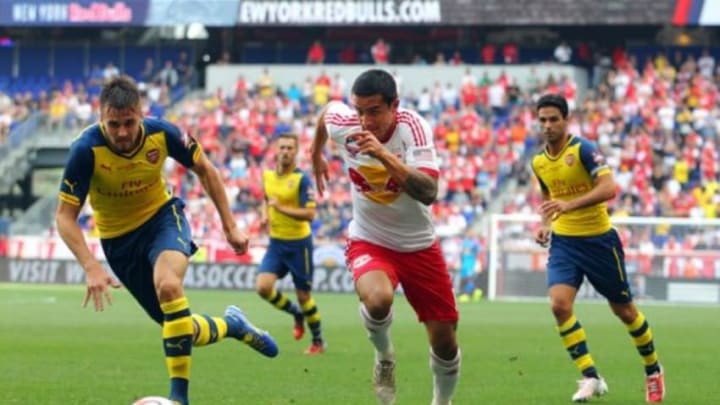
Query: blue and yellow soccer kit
[(583, 242), (137, 217), (291, 246)]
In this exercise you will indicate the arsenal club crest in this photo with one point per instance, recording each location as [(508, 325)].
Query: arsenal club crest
[(570, 160), (152, 156)]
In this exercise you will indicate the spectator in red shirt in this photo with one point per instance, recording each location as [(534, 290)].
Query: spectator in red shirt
[(380, 52), (510, 53), (316, 54), (456, 59), (487, 53), (348, 55)]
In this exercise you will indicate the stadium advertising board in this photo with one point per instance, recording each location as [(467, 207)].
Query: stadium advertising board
[(219, 13), (453, 12), (73, 12), (340, 12), (696, 12), (118, 12), (233, 276), (224, 276)]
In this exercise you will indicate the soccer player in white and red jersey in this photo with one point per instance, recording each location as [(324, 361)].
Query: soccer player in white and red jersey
[(392, 164)]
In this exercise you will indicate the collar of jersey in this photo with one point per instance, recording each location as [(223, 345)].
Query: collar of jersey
[(132, 153), (556, 157), (279, 175)]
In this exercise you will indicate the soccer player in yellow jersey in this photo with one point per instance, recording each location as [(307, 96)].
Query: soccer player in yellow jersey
[(288, 208), (117, 165), (576, 183)]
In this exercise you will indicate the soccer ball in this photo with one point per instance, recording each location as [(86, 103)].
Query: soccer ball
[(154, 401)]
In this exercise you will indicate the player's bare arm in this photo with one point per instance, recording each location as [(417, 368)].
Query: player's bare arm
[(97, 279), (213, 185), (418, 185), (320, 167), (263, 212), (603, 190), (299, 213), (542, 234)]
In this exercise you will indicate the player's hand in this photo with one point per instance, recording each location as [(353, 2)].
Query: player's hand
[(98, 280), (321, 172), (542, 236), (367, 143), (238, 239), (272, 202), (550, 210)]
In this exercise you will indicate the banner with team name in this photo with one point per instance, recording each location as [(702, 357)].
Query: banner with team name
[(49, 13), (228, 13), (151, 13), (340, 12)]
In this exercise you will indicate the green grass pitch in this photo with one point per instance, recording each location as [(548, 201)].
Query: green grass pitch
[(54, 352)]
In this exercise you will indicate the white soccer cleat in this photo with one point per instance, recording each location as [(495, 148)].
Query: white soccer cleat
[(438, 402), (590, 387), (384, 381)]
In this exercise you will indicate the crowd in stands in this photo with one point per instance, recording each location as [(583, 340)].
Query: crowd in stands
[(73, 104)]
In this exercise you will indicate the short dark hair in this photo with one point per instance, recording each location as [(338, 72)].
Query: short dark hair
[(120, 93), (376, 81), (289, 135), (553, 100)]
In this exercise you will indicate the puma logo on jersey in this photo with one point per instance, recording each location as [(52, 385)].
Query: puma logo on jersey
[(70, 185)]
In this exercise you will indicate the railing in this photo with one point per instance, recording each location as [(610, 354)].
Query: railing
[(13, 153)]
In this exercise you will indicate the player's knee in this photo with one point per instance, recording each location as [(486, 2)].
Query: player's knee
[(302, 296), (444, 344), (169, 288), (378, 304), (561, 309), (626, 312), (263, 289)]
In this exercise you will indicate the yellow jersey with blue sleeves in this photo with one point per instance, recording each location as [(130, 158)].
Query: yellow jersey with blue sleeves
[(292, 189), (124, 190), (569, 175)]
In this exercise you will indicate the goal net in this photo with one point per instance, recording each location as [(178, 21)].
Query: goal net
[(667, 259)]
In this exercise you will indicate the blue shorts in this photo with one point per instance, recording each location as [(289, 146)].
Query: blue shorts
[(599, 258), (132, 256), (293, 256)]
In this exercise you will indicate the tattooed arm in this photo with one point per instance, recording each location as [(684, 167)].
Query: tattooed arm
[(420, 186)]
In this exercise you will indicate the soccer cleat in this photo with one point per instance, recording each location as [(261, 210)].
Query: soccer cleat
[(240, 328), (464, 298), (438, 402), (477, 295), (315, 349), (589, 387), (384, 381), (655, 387), (299, 328)]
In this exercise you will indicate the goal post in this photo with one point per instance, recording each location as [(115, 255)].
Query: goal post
[(667, 259)]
